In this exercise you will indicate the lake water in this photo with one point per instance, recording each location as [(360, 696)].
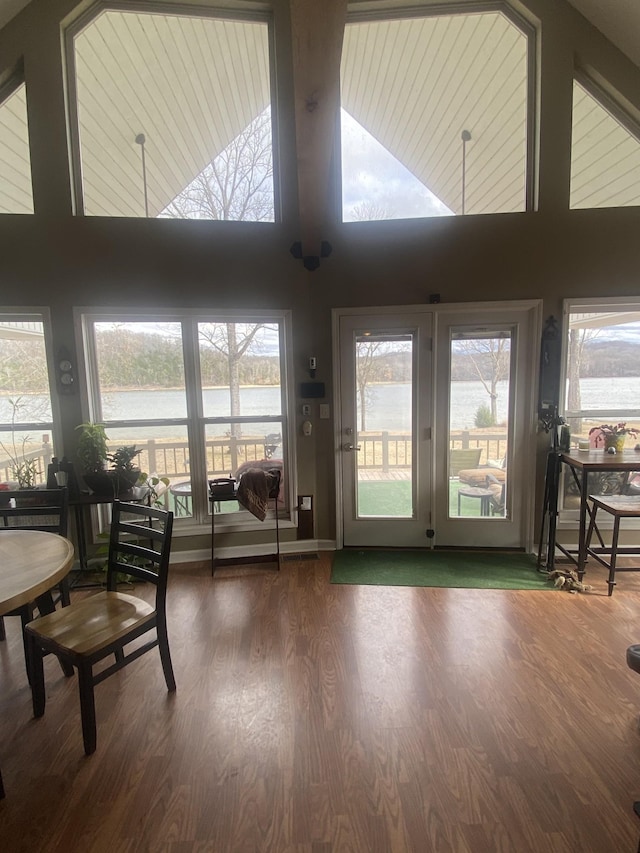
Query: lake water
[(389, 403)]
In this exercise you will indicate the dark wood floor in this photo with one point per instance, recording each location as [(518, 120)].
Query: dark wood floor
[(316, 718)]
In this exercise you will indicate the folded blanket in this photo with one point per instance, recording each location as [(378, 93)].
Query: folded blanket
[(255, 488)]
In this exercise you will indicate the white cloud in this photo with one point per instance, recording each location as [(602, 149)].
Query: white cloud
[(374, 181)]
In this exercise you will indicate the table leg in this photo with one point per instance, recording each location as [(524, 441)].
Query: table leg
[(582, 543), (80, 536)]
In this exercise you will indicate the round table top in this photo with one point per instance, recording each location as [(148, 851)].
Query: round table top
[(31, 562), (183, 488), (475, 492)]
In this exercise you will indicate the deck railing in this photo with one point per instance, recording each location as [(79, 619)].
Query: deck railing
[(383, 451)]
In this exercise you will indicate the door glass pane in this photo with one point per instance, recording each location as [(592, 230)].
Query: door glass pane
[(384, 391), (479, 423)]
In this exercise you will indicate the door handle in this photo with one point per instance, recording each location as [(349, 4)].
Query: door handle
[(352, 446)]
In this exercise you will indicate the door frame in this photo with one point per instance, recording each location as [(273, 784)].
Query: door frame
[(529, 396)]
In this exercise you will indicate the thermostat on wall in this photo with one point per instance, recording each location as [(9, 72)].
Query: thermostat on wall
[(312, 389)]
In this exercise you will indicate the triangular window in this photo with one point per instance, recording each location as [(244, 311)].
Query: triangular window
[(446, 96), (15, 163), (161, 98), (605, 156)]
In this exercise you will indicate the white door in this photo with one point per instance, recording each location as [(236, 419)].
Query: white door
[(449, 465), (385, 402), (484, 446)]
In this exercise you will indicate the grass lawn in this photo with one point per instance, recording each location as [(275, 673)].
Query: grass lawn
[(393, 499)]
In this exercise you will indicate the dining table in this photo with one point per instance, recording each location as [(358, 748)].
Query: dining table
[(32, 562)]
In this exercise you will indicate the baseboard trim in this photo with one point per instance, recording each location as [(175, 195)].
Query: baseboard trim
[(297, 546)]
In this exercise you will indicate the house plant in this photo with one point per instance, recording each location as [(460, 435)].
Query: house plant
[(614, 435), (92, 453), (123, 472)]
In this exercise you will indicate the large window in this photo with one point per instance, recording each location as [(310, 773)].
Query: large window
[(601, 379), (173, 116), (15, 162), (435, 116), (26, 418), (203, 397), (605, 152)]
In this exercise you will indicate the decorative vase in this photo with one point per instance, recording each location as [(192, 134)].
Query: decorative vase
[(615, 441)]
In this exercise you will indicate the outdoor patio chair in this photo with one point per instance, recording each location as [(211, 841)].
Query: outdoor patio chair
[(460, 458), (94, 628)]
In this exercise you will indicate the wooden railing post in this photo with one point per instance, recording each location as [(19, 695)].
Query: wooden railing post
[(385, 451), (233, 449), (151, 456)]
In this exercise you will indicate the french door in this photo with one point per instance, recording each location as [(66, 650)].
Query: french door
[(436, 426), (385, 403)]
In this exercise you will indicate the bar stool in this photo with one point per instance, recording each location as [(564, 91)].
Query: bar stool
[(619, 506)]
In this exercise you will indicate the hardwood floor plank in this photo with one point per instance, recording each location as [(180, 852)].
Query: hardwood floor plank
[(312, 718)]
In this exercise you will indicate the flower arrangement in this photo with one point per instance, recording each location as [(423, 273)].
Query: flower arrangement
[(615, 430)]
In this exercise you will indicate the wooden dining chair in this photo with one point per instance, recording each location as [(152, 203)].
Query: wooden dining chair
[(35, 509), (92, 629)]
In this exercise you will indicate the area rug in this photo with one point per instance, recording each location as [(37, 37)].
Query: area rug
[(457, 569)]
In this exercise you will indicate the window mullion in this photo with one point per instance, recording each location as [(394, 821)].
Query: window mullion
[(195, 424)]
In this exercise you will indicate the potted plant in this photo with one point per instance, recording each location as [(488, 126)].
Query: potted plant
[(614, 435), (123, 472), (23, 469), (92, 453)]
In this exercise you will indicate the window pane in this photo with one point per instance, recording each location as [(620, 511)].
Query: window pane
[(384, 460), (259, 446), (24, 400), (174, 117), (140, 370), (434, 117), (479, 424), (605, 156), (15, 162), (164, 453), (603, 370), (240, 371)]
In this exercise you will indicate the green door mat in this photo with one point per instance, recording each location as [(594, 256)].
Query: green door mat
[(461, 569)]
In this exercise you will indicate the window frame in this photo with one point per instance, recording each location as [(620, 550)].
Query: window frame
[(569, 515), (194, 421), (591, 305), (389, 11), (39, 314), (606, 101), (178, 9)]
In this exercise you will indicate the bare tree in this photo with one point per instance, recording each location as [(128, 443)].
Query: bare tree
[(367, 211), (237, 185), (366, 368), (578, 338), (490, 358), (232, 340)]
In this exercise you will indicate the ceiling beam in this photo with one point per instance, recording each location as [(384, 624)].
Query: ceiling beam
[(317, 31)]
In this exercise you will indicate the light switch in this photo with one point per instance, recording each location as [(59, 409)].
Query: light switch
[(306, 410), (324, 411)]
